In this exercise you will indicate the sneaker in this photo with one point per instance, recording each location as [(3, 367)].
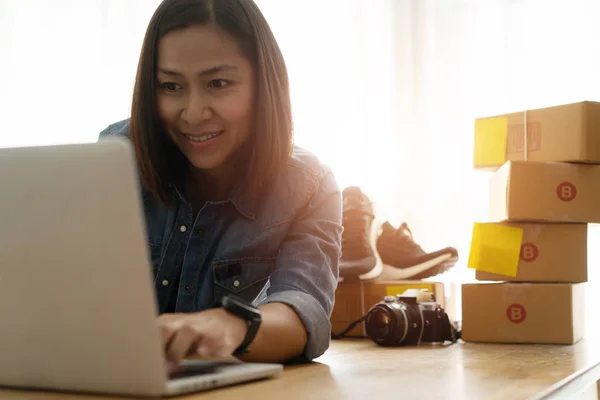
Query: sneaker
[(398, 249), (358, 257)]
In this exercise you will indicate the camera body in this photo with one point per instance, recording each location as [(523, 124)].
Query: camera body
[(410, 318)]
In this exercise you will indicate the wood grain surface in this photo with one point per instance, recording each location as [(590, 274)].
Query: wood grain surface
[(359, 369)]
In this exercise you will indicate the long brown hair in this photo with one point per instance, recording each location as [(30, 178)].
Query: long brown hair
[(159, 161)]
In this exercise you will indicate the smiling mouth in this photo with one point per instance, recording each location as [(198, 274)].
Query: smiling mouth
[(204, 138)]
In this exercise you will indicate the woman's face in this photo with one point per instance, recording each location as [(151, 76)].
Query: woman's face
[(205, 94)]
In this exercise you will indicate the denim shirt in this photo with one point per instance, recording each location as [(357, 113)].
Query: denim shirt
[(281, 248)]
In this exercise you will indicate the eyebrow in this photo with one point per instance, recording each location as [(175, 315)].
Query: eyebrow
[(210, 71)]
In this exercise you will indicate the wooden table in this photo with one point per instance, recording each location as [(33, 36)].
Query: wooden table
[(359, 369)]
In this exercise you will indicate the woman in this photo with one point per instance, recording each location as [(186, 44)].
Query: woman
[(231, 206)]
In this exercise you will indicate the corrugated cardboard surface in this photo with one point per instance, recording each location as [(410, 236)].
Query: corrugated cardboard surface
[(567, 133), (551, 192), (523, 312), (549, 253), (354, 299)]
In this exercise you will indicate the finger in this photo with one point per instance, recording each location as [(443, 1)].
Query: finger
[(168, 328), (171, 368), (205, 351), (212, 345), (184, 339)]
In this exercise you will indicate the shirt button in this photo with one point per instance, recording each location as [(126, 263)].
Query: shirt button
[(183, 228), (187, 288), (236, 283), (165, 283)]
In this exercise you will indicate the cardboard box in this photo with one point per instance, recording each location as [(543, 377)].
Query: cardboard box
[(354, 299), (551, 192), (549, 253), (551, 313), (566, 133)]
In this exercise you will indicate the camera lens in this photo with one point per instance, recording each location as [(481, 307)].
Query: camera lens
[(386, 324), (392, 324), (379, 324)]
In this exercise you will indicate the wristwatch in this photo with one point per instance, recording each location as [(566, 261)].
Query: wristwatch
[(249, 313)]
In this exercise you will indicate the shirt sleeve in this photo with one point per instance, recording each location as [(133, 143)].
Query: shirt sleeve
[(119, 129), (306, 274)]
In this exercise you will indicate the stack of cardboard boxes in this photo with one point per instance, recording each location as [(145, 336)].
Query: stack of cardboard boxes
[(544, 192)]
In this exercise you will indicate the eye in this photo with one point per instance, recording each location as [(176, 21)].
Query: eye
[(217, 83), (170, 86)]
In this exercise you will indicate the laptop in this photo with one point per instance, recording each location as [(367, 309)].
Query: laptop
[(77, 305)]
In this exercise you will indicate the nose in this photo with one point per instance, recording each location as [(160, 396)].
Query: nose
[(196, 110)]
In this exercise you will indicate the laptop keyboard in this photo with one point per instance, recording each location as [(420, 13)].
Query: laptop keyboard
[(191, 368)]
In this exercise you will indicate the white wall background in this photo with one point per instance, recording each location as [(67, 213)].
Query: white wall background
[(384, 91)]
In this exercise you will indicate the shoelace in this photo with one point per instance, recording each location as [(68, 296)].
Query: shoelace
[(403, 243)]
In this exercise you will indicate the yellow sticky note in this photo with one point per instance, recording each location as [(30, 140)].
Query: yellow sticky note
[(399, 289), (495, 248), (490, 141)]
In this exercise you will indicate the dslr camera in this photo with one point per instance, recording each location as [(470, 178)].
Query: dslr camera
[(410, 318)]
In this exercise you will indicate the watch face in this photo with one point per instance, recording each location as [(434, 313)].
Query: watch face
[(229, 301), (235, 300), (240, 307)]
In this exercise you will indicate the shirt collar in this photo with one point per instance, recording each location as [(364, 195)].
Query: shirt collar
[(240, 198), (243, 202)]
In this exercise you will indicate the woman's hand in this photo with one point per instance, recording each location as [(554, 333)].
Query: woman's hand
[(210, 333), (217, 333)]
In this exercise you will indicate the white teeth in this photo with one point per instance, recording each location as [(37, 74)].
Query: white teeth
[(203, 138)]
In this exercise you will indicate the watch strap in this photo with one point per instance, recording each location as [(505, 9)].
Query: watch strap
[(253, 326), (250, 315)]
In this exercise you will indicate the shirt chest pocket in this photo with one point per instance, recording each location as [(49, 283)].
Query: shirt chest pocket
[(244, 277)]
